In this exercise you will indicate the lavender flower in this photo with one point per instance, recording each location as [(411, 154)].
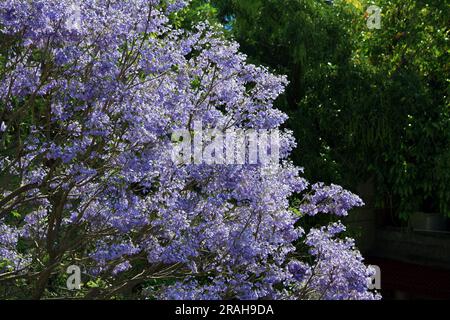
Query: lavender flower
[(96, 181), (329, 199)]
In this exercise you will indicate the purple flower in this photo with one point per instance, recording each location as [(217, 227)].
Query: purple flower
[(329, 199), (96, 181)]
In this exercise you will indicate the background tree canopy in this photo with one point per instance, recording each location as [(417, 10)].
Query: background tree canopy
[(363, 104)]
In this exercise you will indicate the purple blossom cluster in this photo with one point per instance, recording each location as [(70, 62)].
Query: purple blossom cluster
[(338, 266), (96, 180), (9, 256), (329, 199)]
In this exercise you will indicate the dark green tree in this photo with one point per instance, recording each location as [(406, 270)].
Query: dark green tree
[(363, 103)]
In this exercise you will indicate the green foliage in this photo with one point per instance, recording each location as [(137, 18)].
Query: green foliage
[(362, 103), (306, 40), (198, 11), (409, 59)]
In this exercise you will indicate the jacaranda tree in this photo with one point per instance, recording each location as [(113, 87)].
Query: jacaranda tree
[(90, 92)]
